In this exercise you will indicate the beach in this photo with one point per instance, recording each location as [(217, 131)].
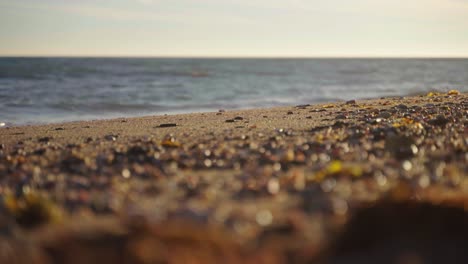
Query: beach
[(287, 184)]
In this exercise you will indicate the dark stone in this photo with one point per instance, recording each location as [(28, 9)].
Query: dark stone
[(402, 106), (168, 125), (385, 115), (44, 139), (439, 121), (339, 124), (402, 147)]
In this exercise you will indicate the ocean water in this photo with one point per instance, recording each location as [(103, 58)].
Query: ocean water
[(46, 90)]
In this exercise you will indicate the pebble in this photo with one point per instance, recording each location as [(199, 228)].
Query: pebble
[(44, 139), (273, 186), (264, 218), (110, 137), (402, 106), (402, 147), (168, 125)]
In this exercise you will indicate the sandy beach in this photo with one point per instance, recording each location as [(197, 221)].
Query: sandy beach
[(327, 183)]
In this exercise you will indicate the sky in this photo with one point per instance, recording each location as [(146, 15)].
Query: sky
[(234, 28)]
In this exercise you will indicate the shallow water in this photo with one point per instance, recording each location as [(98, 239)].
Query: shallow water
[(45, 90)]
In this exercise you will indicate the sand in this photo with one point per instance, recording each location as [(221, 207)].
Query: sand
[(277, 185)]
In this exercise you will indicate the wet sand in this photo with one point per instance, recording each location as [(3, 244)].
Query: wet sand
[(281, 185)]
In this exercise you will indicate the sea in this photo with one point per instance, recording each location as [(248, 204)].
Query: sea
[(51, 90)]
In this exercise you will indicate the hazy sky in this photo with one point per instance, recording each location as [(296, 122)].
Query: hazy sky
[(234, 27)]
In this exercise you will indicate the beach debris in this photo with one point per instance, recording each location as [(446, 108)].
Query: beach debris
[(2, 124), (170, 142), (432, 94), (328, 106), (31, 209), (168, 125), (406, 122), (453, 92), (336, 167)]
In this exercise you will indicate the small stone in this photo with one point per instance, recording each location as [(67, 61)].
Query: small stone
[(424, 181), (168, 125), (59, 128), (439, 121), (341, 117), (339, 124), (351, 102), (238, 118), (44, 139), (290, 112), (402, 106), (407, 165), (264, 218), (230, 121), (402, 147), (273, 186), (110, 137), (385, 115), (126, 173)]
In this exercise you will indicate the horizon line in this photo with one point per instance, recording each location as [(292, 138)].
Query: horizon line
[(232, 57)]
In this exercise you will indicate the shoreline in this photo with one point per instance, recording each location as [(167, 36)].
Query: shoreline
[(259, 184)]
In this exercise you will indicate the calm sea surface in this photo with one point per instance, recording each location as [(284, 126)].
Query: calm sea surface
[(45, 90)]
